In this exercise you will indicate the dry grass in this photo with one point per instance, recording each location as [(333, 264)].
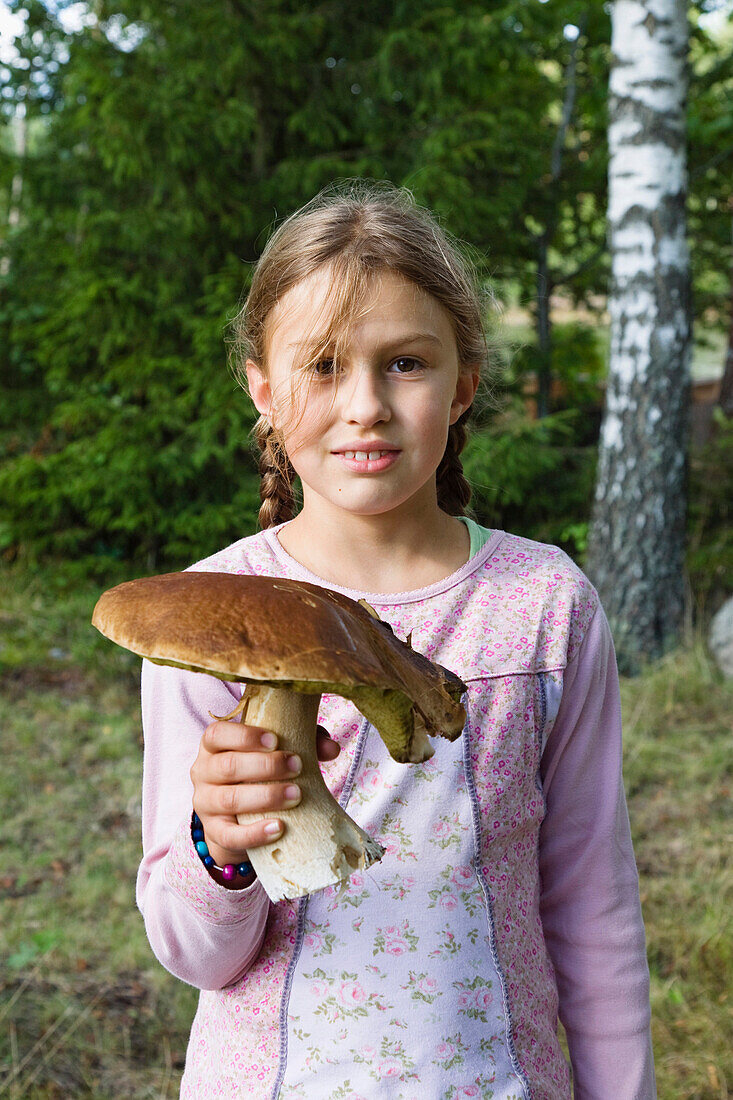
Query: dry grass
[(85, 1010), (679, 773)]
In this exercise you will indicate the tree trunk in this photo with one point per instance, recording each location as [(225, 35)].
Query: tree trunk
[(544, 331), (544, 276), (19, 128), (637, 538)]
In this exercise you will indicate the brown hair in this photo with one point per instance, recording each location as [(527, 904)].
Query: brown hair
[(359, 228)]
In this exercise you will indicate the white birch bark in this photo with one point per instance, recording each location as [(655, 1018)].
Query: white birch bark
[(636, 544)]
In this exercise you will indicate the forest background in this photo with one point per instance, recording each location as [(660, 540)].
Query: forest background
[(146, 151)]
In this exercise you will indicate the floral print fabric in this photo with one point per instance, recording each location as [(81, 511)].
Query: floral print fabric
[(427, 976), (419, 1009)]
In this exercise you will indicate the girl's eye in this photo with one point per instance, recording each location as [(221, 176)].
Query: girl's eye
[(406, 364), (324, 368)]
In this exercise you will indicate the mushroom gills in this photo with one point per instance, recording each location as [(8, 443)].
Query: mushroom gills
[(241, 628)]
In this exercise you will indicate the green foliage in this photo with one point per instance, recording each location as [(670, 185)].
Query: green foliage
[(159, 469), (163, 142), (155, 168), (710, 164), (533, 477), (710, 526), (577, 365)]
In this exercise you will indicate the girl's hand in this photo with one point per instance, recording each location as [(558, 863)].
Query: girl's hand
[(239, 770)]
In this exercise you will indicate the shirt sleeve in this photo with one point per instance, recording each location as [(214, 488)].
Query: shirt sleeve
[(591, 913), (201, 932)]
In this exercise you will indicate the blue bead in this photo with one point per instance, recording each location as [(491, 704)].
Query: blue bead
[(202, 848), (198, 834), (244, 869), (208, 861), (196, 819)]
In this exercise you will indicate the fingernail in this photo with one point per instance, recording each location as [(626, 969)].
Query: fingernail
[(293, 763), (268, 740), (272, 828), (292, 794)]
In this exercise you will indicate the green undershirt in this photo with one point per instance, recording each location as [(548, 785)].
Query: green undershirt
[(479, 535)]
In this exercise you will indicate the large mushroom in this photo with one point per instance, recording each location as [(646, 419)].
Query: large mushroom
[(290, 641)]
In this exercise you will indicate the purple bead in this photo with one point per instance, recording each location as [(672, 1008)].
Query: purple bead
[(228, 871)]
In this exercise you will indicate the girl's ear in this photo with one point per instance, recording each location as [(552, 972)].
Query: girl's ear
[(259, 388), (466, 387)]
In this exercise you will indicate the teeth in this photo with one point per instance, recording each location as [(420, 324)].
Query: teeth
[(362, 456)]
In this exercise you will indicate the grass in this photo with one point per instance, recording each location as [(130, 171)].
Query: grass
[(679, 774), (86, 1011)]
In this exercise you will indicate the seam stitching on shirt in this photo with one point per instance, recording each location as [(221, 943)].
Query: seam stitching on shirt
[(580, 644), (541, 742), (300, 933), (543, 703), (538, 671), (285, 1000), (358, 754), (543, 723), (476, 815), (517, 672)]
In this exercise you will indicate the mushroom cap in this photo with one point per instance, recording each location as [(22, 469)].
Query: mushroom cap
[(280, 632)]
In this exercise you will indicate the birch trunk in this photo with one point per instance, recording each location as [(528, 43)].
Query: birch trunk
[(637, 539)]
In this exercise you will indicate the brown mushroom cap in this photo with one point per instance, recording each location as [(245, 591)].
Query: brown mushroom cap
[(270, 630)]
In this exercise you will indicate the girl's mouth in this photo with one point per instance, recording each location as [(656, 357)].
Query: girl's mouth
[(367, 462)]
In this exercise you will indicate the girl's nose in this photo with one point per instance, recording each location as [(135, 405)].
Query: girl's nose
[(363, 399)]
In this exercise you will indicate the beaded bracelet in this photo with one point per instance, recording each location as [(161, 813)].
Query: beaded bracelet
[(230, 870)]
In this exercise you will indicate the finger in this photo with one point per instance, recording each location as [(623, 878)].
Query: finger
[(252, 767), (326, 747), (247, 798), (234, 737), (237, 839)]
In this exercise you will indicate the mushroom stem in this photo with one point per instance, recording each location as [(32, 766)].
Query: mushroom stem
[(321, 844)]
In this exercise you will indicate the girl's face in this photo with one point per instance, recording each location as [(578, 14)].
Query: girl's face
[(366, 434)]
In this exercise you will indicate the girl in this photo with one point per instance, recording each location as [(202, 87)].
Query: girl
[(508, 891)]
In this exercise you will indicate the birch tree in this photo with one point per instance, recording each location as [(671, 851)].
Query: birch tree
[(636, 544)]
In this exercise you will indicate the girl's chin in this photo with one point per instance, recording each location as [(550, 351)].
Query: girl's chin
[(366, 499)]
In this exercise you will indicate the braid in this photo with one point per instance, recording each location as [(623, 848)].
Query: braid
[(454, 492), (276, 477)]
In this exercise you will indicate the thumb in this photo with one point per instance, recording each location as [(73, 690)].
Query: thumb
[(326, 747)]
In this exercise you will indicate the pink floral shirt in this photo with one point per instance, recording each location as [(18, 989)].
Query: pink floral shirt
[(508, 890)]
